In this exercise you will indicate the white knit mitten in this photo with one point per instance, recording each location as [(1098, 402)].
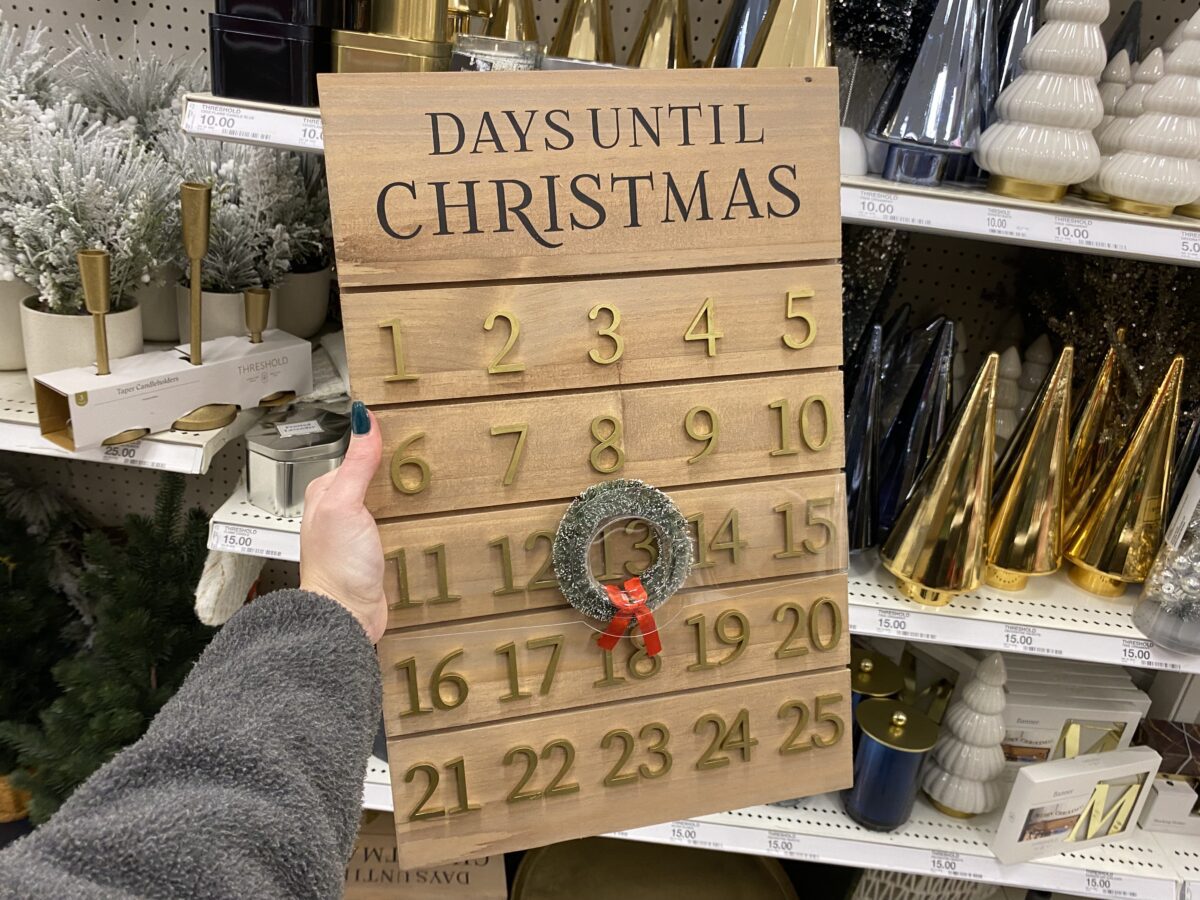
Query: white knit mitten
[(225, 584)]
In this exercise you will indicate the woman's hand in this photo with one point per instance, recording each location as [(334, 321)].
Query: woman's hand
[(340, 552)]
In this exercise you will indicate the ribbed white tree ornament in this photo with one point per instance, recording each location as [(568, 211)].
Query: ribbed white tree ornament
[(1175, 38), (1131, 105), (962, 775), (1158, 165), (1042, 140), (1111, 98)]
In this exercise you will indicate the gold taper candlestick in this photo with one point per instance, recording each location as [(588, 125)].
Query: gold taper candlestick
[(258, 304), (94, 268), (196, 202)]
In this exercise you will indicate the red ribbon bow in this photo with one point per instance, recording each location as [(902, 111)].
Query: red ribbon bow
[(631, 604)]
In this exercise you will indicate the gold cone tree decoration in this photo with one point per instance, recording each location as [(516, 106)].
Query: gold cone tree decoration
[(1026, 536), (1093, 442), (794, 33), (585, 32), (937, 547), (513, 20), (664, 41), (1117, 539)]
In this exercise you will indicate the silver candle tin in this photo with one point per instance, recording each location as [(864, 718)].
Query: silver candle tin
[(285, 452)]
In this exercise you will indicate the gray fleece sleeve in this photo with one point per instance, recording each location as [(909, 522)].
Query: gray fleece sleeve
[(247, 784)]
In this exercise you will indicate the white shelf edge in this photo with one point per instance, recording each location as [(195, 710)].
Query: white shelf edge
[(906, 850), (250, 122), (1074, 224)]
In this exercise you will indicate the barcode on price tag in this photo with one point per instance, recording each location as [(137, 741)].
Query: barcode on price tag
[(251, 541)]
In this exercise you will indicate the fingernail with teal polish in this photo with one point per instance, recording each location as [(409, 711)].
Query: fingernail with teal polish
[(360, 422)]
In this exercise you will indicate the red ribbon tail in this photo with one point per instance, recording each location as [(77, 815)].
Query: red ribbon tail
[(615, 631)]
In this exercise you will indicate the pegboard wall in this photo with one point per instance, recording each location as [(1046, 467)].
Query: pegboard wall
[(181, 26)]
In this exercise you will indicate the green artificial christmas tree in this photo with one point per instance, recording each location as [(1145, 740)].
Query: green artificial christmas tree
[(144, 637), (38, 624)]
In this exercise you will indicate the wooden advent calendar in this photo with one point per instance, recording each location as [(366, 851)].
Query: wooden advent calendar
[(552, 279)]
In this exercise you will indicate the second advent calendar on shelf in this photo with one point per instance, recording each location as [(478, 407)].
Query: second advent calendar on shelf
[(600, 276)]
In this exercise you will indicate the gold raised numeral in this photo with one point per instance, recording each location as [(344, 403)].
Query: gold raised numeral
[(554, 787), (458, 768), (786, 445), (608, 331), (497, 365), (543, 579), (509, 652), (438, 552), (439, 679), (610, 442), (648, 545), (506, 567), (793, 744), (823, 715), (787, 510), (786, 649), (640, 665), (521, 430), (658, 748), (708, 313), (735, 638), (734, 543), (703, 559), (728, 738), (810, 332), (400, 460), (397, 352), (707, 437)]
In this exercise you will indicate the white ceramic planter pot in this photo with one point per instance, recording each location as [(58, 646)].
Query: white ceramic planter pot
[(54, 342), (12, 352), (221, 315), (157, 303), (302, 299)]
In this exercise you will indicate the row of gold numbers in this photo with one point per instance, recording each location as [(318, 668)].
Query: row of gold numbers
[(809, 427), (640, 753), (719, 640), (724, 538), (703, 329)]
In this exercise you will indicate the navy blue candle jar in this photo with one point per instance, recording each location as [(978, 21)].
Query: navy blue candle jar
[(895, 739)]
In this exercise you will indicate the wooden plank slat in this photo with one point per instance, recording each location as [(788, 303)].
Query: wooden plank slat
[(480, 564), (424, 344), (531, 663), (533, 781), (459, 455), (686, 169)]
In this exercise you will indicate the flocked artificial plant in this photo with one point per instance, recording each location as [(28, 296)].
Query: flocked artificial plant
[(143, 642)]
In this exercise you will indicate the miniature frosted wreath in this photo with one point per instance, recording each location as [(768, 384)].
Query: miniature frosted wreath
[(599, 506)]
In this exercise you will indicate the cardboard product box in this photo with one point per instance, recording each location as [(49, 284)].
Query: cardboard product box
[(1075, 690), (1035, 668), (1178, 743), (1069, 804), (1173, 806), (78, 409), (373, 874), (1041, 728)]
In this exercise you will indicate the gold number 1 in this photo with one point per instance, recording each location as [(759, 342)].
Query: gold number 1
[(397, 351)]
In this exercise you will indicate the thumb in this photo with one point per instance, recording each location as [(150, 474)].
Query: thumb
[(350, 484)]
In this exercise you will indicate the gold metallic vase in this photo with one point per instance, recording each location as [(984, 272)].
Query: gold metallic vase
[(258, 305), (795, 33), (664, 41), (1117, 539), (513, 20), (416, 20), (585, 32), (937, 546), (94, 272), (1026, 536), (1093, 443)]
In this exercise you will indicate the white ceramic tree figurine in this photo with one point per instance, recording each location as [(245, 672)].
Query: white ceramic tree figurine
[(1116, 77), (1007, 397), (1042, 140), (1158, 165), (1106, 134), (1035, 366), (961, 777)]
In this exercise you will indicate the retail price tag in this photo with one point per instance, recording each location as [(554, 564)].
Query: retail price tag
[(685, 833), (879, 205), (785, 844), (893, 207), (1189, 245), (1096, 883), (1005, 222), (1087, 233), (950, 864), (250, 541), (891, 622), (1145, 655), (1028, 639), (312, 134)]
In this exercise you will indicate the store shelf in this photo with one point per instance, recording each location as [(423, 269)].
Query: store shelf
[(248, 122), (238, 527), (190, 452), (817, 830), (1051, 617), (1184, 852), (1074, 224)]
